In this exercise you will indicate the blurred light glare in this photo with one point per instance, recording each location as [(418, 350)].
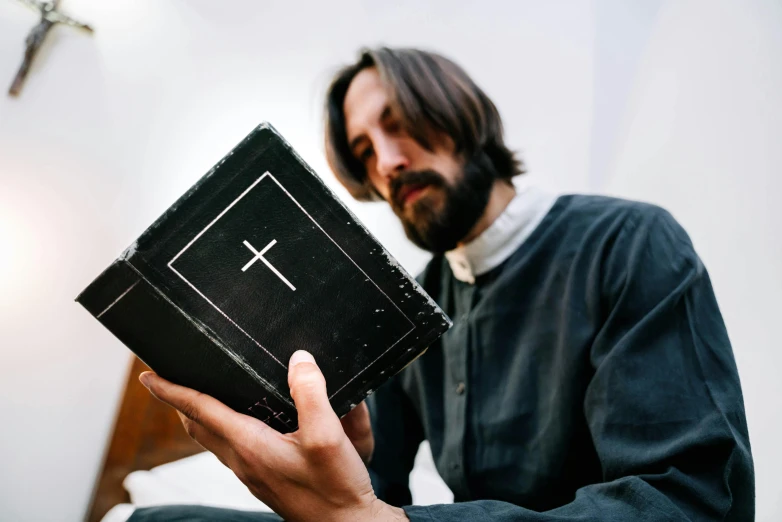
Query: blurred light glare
[(6, 252), (12, 247), (26, 220)]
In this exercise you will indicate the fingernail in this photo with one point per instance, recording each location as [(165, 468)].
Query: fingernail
[(144, 378), (301, 356)]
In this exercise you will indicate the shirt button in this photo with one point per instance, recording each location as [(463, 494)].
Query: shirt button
[(460, 388)]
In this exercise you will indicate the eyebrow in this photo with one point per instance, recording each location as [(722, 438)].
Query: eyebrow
[(358, 139)]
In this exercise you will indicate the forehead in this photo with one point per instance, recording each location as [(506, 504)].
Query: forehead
[(365, 101)]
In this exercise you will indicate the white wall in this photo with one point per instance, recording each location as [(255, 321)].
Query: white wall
[(110, 130), (701, 135)]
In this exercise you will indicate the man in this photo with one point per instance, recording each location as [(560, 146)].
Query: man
[(588, 375)]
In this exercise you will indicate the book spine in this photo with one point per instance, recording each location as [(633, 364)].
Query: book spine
[(176, 346)]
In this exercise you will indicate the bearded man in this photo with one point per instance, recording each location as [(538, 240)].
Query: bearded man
[(588, 375)]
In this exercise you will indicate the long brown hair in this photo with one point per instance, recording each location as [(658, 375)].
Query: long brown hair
[(431, 95)]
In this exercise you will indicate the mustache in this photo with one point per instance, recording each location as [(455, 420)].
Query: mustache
[(413, 178)]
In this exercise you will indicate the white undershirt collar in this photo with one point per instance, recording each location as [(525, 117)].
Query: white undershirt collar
[(506, 234)]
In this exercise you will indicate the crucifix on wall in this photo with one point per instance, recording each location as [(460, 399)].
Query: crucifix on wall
[(35, 38)]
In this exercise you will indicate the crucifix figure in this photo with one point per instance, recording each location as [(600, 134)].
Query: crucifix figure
[(49, 17)]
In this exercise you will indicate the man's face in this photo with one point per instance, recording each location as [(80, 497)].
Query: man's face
[(437, 199)]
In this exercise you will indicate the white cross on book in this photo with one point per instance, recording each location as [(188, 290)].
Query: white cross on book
[(259, 255)]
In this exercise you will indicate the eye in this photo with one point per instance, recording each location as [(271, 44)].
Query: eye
[(393, 127), (365, 154)]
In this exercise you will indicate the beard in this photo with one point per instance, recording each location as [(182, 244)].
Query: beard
[(437, 224)]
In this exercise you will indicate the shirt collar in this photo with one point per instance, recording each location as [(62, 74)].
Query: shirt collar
[(503, 237)]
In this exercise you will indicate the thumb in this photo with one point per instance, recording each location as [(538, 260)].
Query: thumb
[(308, 390)]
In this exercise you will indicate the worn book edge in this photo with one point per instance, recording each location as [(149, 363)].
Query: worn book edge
[(133, 253)]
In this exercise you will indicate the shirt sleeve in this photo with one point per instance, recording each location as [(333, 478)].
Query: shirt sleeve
[(398, 434), (664, 405)]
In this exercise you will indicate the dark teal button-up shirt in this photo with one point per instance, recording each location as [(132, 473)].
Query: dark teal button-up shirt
[(588, 377)]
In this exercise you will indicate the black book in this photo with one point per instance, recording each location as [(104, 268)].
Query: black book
[(257, 260)]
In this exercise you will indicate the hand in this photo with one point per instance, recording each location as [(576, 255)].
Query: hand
[(314, 473), (358, 428)]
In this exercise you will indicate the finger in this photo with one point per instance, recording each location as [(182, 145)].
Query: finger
[(207, 440), (358, 427), (196, 406), (308, 389), (357, 422)]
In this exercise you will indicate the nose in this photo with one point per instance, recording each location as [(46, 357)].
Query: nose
[(391, 158)]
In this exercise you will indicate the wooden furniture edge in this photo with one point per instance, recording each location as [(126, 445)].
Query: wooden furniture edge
[(146, 433)]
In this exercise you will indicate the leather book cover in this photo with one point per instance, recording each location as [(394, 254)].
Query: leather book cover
[(257, 260)]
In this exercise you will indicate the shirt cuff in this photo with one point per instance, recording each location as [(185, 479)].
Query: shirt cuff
[(418, 514)]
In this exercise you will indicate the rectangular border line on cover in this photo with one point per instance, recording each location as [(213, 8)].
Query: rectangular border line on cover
[(246, 191)]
